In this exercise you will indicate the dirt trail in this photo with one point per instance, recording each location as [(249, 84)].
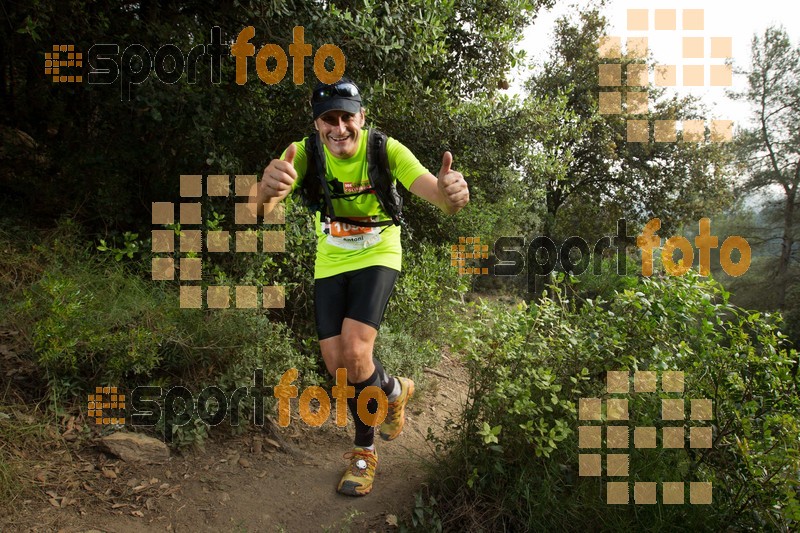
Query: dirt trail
[(232, 486)]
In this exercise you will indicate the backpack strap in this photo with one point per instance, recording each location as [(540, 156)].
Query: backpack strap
[(316, 193), (380, 176), (314, 181), (319, 161)]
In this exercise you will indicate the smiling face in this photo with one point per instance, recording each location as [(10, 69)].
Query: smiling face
[(341, 132)]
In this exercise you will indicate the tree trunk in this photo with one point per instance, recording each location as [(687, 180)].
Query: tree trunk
[(787, 245), (540, 283)]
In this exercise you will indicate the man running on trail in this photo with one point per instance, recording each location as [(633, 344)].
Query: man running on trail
[(356, 265)]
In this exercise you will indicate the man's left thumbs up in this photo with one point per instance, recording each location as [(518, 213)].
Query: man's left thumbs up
[(447, 162), (452, 185)]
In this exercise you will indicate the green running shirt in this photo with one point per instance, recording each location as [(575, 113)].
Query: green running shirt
[(345, 247)]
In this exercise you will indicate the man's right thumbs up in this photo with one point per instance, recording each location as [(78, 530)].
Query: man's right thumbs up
[(290, 153), (279, 175)]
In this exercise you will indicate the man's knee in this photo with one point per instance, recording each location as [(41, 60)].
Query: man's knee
[(331, 350), (352, 354), (356, 343), (356, 356)]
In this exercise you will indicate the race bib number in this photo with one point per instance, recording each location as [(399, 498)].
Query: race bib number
[(350, 236)]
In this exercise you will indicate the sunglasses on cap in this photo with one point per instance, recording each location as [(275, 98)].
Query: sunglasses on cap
[(345, 89)]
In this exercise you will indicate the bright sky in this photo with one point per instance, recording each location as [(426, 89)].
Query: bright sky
[(737, 19)]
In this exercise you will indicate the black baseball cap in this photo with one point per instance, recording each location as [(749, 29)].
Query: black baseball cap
[(340, 96)]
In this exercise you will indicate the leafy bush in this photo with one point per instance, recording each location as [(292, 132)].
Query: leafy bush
[(401, 353), (76, 331), (512, 463), (93, 319), (420, 311), (425, 292), (269, 347)]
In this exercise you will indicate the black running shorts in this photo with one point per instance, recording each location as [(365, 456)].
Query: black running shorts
[(360, 295)]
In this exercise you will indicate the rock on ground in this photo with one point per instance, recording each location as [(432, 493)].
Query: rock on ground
[(135, 448)]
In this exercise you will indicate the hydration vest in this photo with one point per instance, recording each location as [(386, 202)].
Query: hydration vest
[(317, 195)]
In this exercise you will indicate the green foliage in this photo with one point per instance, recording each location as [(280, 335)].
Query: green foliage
[(592, 175), (423, 304), (500, 202), (63, 308), (263, 345), (293, 269), (75, 328), (792, 315), (89, 321), (424, 516), (769, 157), (515, 393), (403, 353), (193, 434), (605, 283), (112, 156), (769, 147), (130, 246), (426, 287), (77, 332), (512, 462), (92, 320)]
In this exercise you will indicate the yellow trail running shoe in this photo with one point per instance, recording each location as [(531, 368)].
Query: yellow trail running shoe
[(357, 479), (396, 417)]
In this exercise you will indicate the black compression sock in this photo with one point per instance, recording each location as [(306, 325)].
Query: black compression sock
[(365, 435), (387, 382)]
